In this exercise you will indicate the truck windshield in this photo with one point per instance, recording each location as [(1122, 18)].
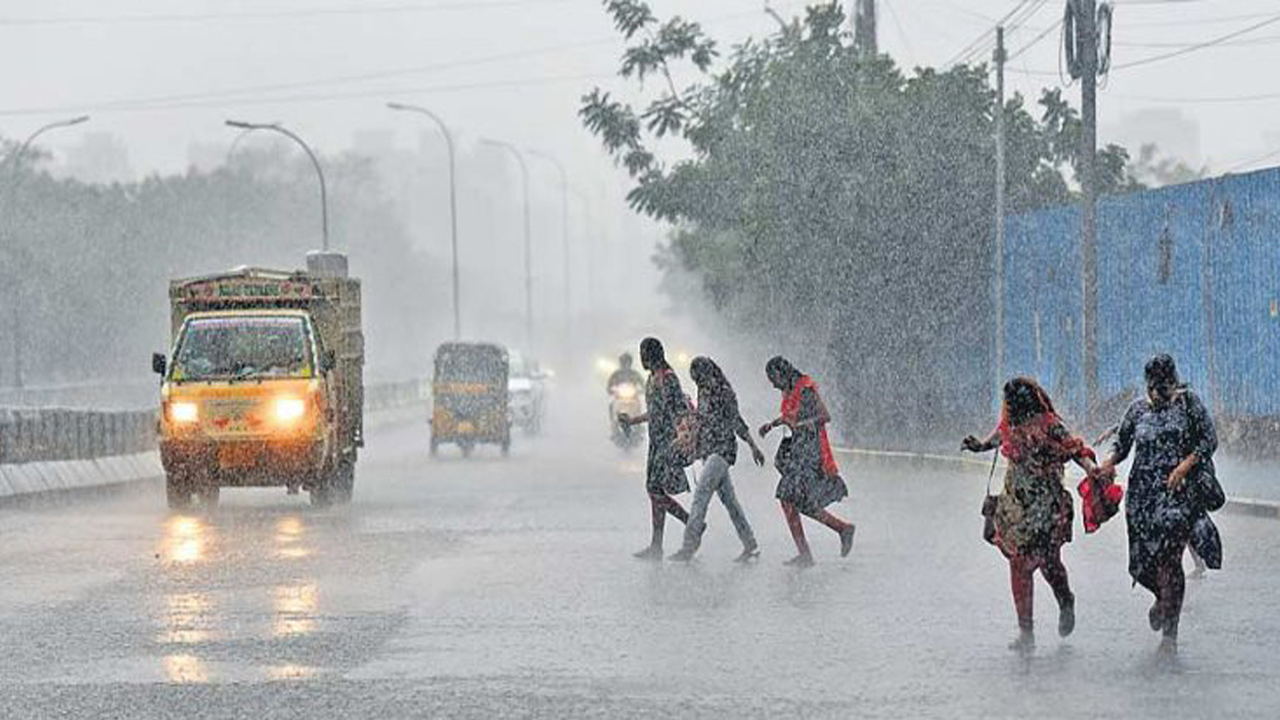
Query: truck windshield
[(243, 347)]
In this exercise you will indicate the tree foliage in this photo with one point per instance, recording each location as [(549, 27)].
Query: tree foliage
[(836, 205), (85, 267)]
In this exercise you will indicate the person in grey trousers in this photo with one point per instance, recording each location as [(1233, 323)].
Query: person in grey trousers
[(717, 427)]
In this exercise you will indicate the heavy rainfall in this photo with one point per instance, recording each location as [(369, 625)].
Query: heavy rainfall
[(639, 358)]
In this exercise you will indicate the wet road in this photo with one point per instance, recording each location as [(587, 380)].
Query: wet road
[(505, 588)]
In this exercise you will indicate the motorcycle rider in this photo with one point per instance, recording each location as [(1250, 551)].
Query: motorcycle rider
[(625, 374)]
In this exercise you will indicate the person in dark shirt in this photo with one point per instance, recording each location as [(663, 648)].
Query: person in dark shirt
[(625, 374), (666, 404), (1171, 435), (718, 424), (810, 479)]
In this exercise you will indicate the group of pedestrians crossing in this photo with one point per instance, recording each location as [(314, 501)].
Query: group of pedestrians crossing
[(1171, 488), (1171, 485), (682, 431)]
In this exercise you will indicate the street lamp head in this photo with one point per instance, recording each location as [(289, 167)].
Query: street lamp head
[(240, 124), (397, 106), (78, 120)]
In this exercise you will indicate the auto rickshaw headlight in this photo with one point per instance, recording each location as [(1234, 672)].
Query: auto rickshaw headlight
[(184, 412), (288, 410)]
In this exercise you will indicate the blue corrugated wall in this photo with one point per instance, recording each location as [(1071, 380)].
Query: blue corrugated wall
[(1192, 270)]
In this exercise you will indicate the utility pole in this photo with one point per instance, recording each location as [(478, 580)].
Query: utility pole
[(864, 28), (453, 205), (997, 363), (564, 233), (315, 162), (1087, 32), (528, 243), (14, 162)]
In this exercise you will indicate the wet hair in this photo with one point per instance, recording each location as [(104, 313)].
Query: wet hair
[(624, 360), (780, 371), (652, 355), (1161, 371), (708, 376), (1024, 400)]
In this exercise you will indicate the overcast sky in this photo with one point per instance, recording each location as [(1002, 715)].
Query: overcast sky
[(515, 69)]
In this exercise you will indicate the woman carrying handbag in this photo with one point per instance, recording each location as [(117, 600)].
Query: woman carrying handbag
[(1030, 520), (1172, 488)]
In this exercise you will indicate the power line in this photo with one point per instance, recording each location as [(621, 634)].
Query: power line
[(989, 32), (1265, 40), (340, 80), (1199, 46), (232, 94), (1254, 161), (956, 7), (1220, 20), (270, 14), (1208, 100), (348, 95), (1012, 21), (1036, 39)]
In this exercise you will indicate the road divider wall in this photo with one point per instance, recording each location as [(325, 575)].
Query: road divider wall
[(49, 450)]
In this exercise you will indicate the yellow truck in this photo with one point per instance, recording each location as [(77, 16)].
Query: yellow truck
[(264, 385)]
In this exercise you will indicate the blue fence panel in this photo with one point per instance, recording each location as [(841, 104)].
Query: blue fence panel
[(1150, 300), (1042, 303), (1192, 270), (1246, 348)]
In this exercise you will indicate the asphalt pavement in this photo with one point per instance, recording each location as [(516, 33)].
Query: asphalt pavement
[(505, 587)]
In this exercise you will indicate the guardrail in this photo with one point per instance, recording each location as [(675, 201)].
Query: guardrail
[(389, 395), (48, 434), (44, 434)]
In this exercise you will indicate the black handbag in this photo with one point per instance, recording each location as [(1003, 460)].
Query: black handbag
[(1205, 491), (784, 460), (1206, 541), (989, 503)]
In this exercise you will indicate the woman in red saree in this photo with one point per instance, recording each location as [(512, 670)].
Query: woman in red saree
[(810, 479), (1034, 511)]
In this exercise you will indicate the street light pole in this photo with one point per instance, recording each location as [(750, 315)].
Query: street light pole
[(528, 244), (15, 160), (324, 194), (453, 206), (564, 228)]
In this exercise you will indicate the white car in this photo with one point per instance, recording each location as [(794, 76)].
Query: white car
[(526, 393)]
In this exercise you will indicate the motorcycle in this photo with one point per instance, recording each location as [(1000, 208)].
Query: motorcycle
[(625, 399)]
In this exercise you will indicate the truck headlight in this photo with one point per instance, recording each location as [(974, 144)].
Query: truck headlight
[(290, 410), (184, 412), (626, 392)]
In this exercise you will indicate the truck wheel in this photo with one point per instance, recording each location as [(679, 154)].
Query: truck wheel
[(344, 481), (322, 494), (210, 494), (177, 492)]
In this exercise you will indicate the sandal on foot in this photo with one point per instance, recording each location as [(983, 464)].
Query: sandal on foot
[(653, 552), (846, 540)]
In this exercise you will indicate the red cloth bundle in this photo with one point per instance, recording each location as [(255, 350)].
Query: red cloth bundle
[(1100, 497)]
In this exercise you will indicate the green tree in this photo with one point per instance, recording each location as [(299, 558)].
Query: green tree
[(836, 206)]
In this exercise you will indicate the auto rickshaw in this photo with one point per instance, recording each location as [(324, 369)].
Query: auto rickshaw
[(469, 393)]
